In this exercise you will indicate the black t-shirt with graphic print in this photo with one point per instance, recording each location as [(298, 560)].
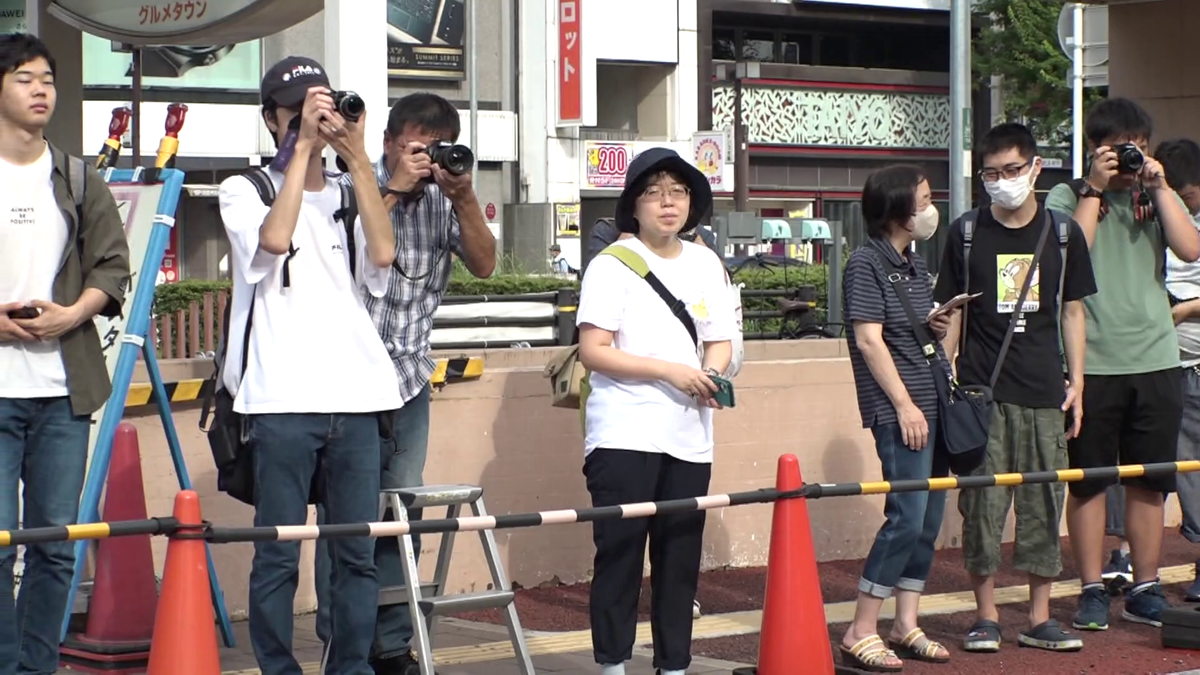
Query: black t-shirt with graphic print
[(1001, 257)]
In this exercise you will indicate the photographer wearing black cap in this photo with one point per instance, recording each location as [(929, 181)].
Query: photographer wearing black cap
[(306, 369), (434, 216)]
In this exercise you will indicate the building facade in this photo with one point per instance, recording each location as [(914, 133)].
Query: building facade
[(628, 67), (843, 89)]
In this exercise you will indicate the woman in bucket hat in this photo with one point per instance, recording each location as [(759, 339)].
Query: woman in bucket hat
[(648, 416)]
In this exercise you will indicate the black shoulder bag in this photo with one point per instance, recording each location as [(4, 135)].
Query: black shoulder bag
[(964, 412)]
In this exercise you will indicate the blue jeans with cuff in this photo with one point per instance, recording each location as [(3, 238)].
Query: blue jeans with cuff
[(286, 452), (902, 553), (44, 445), (402, 465)]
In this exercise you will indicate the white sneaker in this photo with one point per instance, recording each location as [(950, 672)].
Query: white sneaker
[(695, 609)]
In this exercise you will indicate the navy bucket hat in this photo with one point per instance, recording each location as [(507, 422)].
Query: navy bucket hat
[(653, 161)]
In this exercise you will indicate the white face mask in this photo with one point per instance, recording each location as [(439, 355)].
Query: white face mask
[(925, 223), (1011, 193)]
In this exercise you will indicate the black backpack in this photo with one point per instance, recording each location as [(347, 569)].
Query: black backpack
[(227, 436)]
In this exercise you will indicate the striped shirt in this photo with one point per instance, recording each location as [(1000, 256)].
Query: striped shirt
[(871, 298), (427, 232)]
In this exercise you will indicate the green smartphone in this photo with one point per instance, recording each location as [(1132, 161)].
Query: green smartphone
[(724, 394)]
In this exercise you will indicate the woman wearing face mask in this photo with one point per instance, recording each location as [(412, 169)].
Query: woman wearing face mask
[(898, 403)]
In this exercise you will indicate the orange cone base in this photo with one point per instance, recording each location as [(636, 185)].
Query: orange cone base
[(82, 661), (838, 670)]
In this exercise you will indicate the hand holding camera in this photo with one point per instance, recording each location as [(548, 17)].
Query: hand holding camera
[(1104, 167), (413, 166)]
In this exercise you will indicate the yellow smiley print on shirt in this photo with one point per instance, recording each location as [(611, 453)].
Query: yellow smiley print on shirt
[(700, 310)]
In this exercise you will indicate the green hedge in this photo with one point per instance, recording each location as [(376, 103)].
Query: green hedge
[(178, 296)]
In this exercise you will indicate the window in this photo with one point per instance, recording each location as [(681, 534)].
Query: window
[(835, 50), (798, 48), (724, 44), (758, 45)]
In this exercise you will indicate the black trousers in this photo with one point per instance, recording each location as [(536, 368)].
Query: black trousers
[(627, 476)]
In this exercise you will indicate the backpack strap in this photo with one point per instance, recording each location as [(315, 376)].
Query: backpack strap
[(968, 231), (1063, 225), (639, 267), (76, 170), (347, 215), (266, 191)]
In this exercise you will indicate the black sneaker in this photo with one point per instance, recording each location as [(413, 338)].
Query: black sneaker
[(1093, 609), (1193, 592), (404, 664), (1119, 568), (1051, 637), (1146, 606)]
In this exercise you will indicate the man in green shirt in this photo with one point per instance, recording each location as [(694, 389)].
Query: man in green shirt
[(1132, 399)]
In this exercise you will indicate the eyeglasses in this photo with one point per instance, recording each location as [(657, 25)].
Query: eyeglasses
[(675, 191), (1008, 173)]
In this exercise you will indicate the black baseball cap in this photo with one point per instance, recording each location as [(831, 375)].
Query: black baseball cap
[(288, 82)]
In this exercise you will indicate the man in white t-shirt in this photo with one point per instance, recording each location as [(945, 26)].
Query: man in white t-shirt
[(316, 377), (63, 260)]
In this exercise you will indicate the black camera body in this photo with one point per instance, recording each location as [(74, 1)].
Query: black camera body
[(348, 104), (454, 159), (1130, 159)]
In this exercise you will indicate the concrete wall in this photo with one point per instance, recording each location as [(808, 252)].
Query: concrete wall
[(1145, 62), (501, 432)]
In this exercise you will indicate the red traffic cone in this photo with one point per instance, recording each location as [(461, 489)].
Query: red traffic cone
[(118, 641), (185, 635), (794, 637)]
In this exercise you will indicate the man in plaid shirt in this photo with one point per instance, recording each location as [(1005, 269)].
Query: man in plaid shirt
[(434, 214)]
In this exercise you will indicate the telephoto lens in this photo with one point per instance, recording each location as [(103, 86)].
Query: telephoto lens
[(454, 159), (349, 105)]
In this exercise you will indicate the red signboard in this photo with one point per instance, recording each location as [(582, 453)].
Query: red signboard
[(570, 62)]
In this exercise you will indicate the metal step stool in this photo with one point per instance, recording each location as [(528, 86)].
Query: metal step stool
[(429, 596)]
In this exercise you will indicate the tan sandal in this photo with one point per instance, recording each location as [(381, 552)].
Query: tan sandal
[(870, 654), (918, 647)]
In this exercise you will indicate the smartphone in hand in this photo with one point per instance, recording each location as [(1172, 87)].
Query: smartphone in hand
[(724, 394), (25, 313)]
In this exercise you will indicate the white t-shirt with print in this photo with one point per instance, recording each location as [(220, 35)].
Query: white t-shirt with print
[(33, 239), (643, 415), (313, 347)]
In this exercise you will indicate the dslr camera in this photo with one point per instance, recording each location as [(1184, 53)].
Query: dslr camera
[(1130, 159), (454, 159), (348, 104)]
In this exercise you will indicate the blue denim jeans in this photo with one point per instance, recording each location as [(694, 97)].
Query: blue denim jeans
[(286, 453), (402, 465), (44, 445), (1187, 485), (903, 550)]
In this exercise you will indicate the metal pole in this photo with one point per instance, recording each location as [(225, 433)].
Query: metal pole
[(473, 85), (1078, 148), (136, 140), (960, 107), (741, 154)]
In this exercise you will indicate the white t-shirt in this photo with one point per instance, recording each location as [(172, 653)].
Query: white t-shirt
[(313, 348), (643, 415), (33, 240), (1183, 281)]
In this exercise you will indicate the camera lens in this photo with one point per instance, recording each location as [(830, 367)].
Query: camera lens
[(458, 160), (350, 105)]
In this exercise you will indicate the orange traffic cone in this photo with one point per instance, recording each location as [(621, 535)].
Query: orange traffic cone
[(185, 635), (794, 637), (120, 619)]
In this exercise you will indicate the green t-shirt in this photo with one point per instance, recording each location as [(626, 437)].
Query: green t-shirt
[(1129, 325)]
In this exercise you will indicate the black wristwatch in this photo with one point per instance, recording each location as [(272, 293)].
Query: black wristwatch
[(1086, 190), (384, 191)]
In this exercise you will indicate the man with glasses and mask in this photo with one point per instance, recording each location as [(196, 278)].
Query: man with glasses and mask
[(1015, 350), (435, 216)]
